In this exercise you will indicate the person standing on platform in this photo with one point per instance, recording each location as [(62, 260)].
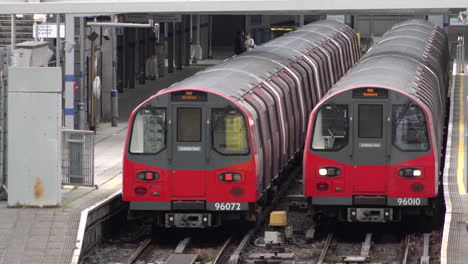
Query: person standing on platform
[(239, 43), (249, 42)]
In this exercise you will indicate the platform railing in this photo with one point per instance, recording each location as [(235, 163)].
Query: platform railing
[(78, 157)]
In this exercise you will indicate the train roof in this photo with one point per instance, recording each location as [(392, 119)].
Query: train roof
[(400, 60), (237, 75)]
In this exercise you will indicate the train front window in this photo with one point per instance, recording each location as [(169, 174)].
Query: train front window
[(370, 120), (229, 132), (189, 124), (409, 129), (148, 131), (331, 128)]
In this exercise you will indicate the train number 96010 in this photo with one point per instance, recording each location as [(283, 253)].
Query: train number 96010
[(227, 206), (409, 201)]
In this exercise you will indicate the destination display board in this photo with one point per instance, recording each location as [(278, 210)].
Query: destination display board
[(370, 93)]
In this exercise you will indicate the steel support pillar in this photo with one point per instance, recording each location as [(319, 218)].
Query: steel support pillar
[(170, 48), (57, 39), (186, 40), (82, 124), (69, 110), (178, 46), (120, 60), (13, 33), (130, 63), (210, 37)]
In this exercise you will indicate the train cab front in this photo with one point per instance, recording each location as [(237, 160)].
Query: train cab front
[(188, 160), (368, 157)]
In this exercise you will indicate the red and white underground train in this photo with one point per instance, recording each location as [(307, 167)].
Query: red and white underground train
[(374, 142), (206, 149)]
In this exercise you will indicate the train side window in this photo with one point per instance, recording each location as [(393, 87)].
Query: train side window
[(331, 128), (148, 134), (409, 129), (370, 120), (189, 124), (229, 132)]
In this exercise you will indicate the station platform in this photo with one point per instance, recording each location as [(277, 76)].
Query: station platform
[(455, 236), (50, 235)]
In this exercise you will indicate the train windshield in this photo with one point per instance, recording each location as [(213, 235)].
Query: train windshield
[(409, 128), (148, 131), (331, 128), (229, 132)]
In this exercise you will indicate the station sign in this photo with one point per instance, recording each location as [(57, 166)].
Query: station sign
[(156, 18), (48, 30)]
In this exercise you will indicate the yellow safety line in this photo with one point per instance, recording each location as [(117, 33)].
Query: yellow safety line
[(114, 183), (461, 140)]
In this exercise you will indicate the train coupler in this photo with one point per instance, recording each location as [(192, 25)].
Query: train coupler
[(188, 220), (377, 215)]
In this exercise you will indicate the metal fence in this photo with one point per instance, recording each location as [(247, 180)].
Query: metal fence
[(78, 157)]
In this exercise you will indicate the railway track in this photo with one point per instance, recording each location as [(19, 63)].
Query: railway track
[(186, 252), (402, 251)]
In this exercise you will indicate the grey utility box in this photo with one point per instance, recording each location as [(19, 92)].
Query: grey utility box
[(34, 145)]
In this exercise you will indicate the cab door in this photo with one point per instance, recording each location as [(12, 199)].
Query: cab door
[(188, 150), (370, 150)]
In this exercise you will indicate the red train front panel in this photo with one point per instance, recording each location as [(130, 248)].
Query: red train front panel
[(189, 160), (368, 156)]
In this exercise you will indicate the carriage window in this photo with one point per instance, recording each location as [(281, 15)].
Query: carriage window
[(229, 132), (188, 124), (331, 128), (370, 121), (148, 131), (409, 130)]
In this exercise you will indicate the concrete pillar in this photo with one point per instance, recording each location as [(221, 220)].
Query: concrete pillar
[(349, 20), (436, 20), (299, 20), (69, 95)]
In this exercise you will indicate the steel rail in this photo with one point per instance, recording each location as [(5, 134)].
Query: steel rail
[(321, 258), (221, 251), (139, 250), (404, 258), (234, 259)]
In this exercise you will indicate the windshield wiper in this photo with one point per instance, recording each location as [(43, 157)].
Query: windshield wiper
[(219, 118), (402, 114), (339, 114), (161, 123)]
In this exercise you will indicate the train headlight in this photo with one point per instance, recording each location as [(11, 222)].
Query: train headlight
[(230, 177), (410, 172), (148, 175), (323, 172), (329, 171)]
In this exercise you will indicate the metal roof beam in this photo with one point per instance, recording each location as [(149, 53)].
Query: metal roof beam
[(233, 6)]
